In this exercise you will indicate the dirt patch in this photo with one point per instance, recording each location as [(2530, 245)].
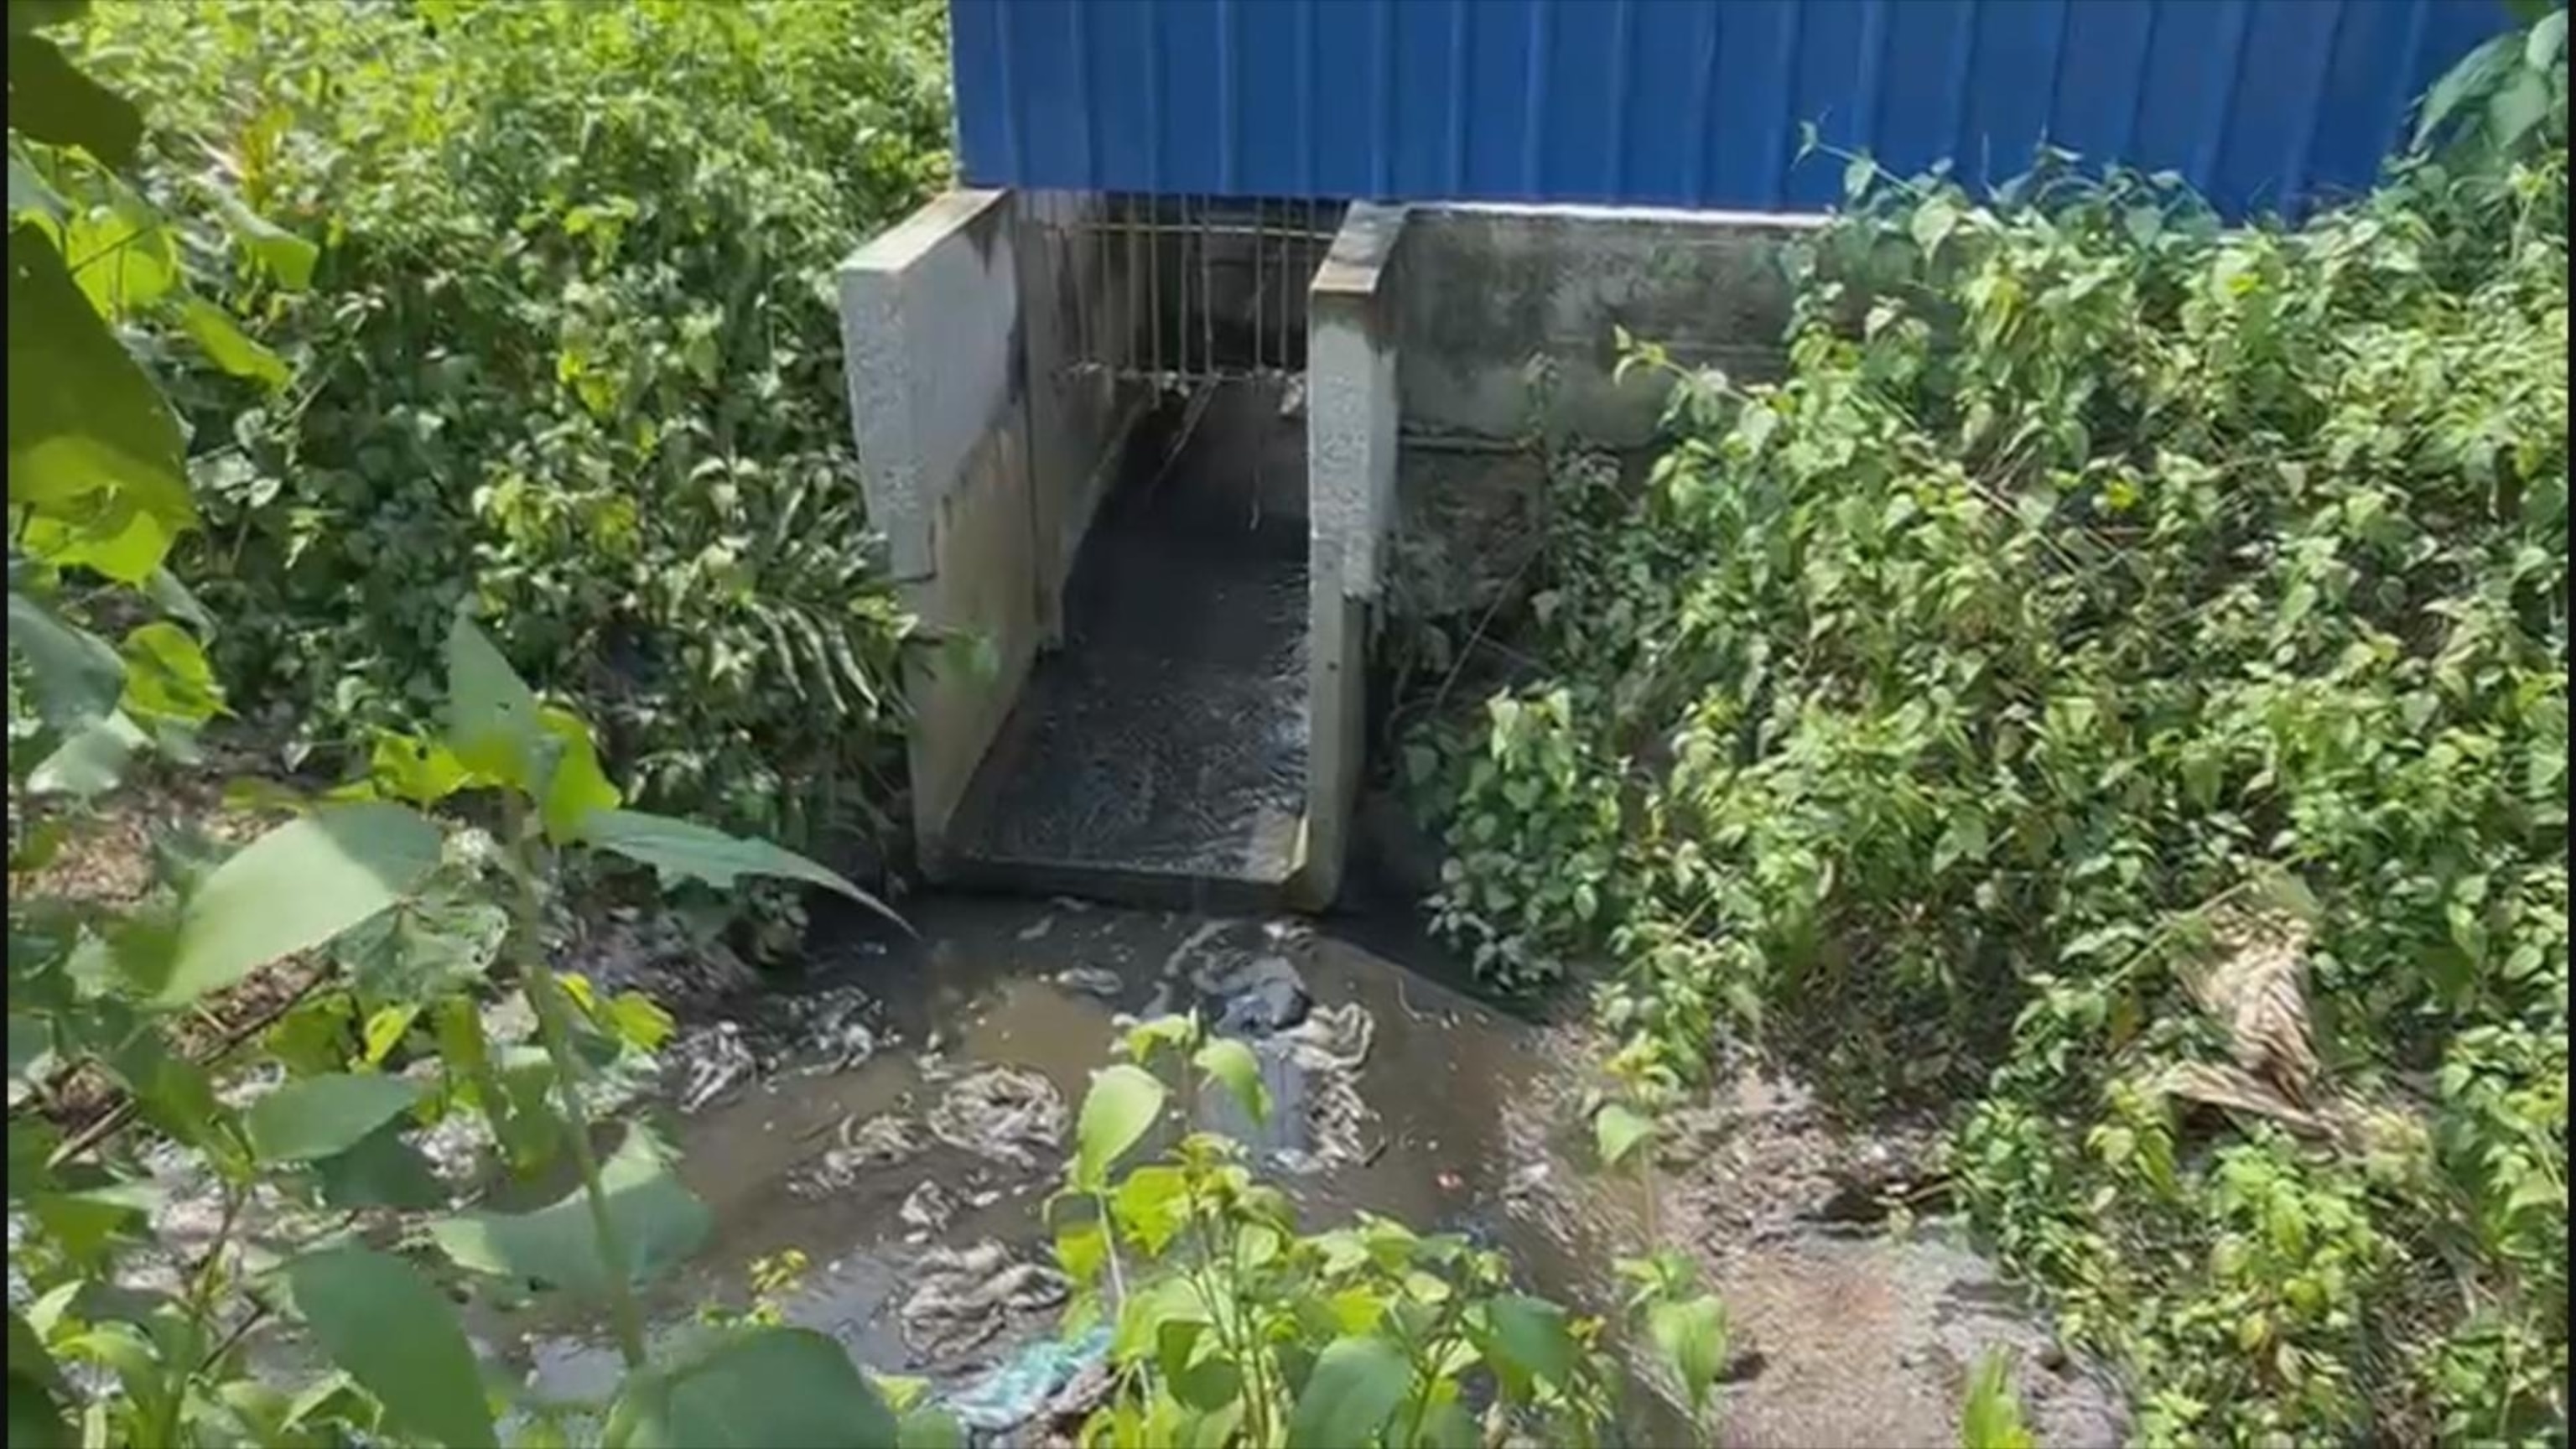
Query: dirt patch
[(1852, 1328), (1870, 1341)]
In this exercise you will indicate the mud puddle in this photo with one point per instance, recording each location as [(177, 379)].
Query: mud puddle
[(913, 1116)]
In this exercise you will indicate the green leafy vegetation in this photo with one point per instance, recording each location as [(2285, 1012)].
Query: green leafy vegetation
[(404, 909), (2117, 683), (554, 281), (1230, 1325)]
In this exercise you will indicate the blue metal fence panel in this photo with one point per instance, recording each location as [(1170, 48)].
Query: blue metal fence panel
[(2263, 104)]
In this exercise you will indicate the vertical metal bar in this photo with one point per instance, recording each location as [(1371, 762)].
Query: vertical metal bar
[(1085, 289), (1135, 277), (1154, 283), (1260, 278), (1207, 289)]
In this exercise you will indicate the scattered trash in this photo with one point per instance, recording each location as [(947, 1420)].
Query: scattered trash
[(1041, 1381), (879, 1142), (964, 1296), (928, 1207), (1037, 928), (1333, 1038), (1011, 1114), (1254, 996), (711, 1062), (1097, 981)]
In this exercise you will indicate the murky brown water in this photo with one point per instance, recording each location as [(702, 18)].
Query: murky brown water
[(1470, 1105)]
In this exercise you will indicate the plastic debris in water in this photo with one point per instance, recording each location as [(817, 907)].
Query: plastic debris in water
[(1022, 1388)]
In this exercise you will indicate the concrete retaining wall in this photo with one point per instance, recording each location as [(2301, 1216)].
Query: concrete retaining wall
[(1489, 288), (1351, 443), (985, 448), (980, 455), (1495, 297)]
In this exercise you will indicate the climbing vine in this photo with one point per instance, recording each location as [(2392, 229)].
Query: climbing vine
[(2116, 681)]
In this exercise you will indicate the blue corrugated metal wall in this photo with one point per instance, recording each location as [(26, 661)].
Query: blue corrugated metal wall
[(1684, 102)]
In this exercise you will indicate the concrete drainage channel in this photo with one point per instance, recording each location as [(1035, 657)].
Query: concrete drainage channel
[(1157, 469), (1149, 467)]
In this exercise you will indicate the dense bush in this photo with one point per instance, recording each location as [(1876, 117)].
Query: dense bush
[(2101, 583), (570, 349)]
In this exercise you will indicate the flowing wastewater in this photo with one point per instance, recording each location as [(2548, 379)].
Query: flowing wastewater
[(1447, 1121), (898, 1113)]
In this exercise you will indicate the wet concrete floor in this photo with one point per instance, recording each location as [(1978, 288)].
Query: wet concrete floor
[(1161, 748)]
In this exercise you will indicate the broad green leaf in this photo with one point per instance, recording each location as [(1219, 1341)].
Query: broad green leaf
[(35, 1417), (294, 888), (1151, 1205), (1934, 220), (423, 949), (398, 1337), (1119, 1109), (423, 772), (50, 100), (2474, 74), (27, 15), (122, 258), (1858, 173), (658, 1221), (929, 1429), (1149, 1306), (1619, 1130), (230, 348), (74, 676), (122, 533), (1531, 1336), (492, 719), (381, 1170), (28, 1358), (287, 258), (31, 1041), (90, 761), (385, 1029), (1450, 1426), (1691, 1335), (2547, 41), (83, 1224), (2521, 104), (167, 677), (678, 849), (165, 590), (1232, 1063), (766, 1387), (1082, 1249), (93, 450), (323, 1116), (1355, 1387), (1964, 838), (174, 1092), (575, 786)]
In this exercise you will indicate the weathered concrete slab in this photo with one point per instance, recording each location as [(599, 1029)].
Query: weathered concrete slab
[(931, 331), (1352, 414), (1489, 288)]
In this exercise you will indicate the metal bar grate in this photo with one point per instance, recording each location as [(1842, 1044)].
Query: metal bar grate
[(1183, 292)]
